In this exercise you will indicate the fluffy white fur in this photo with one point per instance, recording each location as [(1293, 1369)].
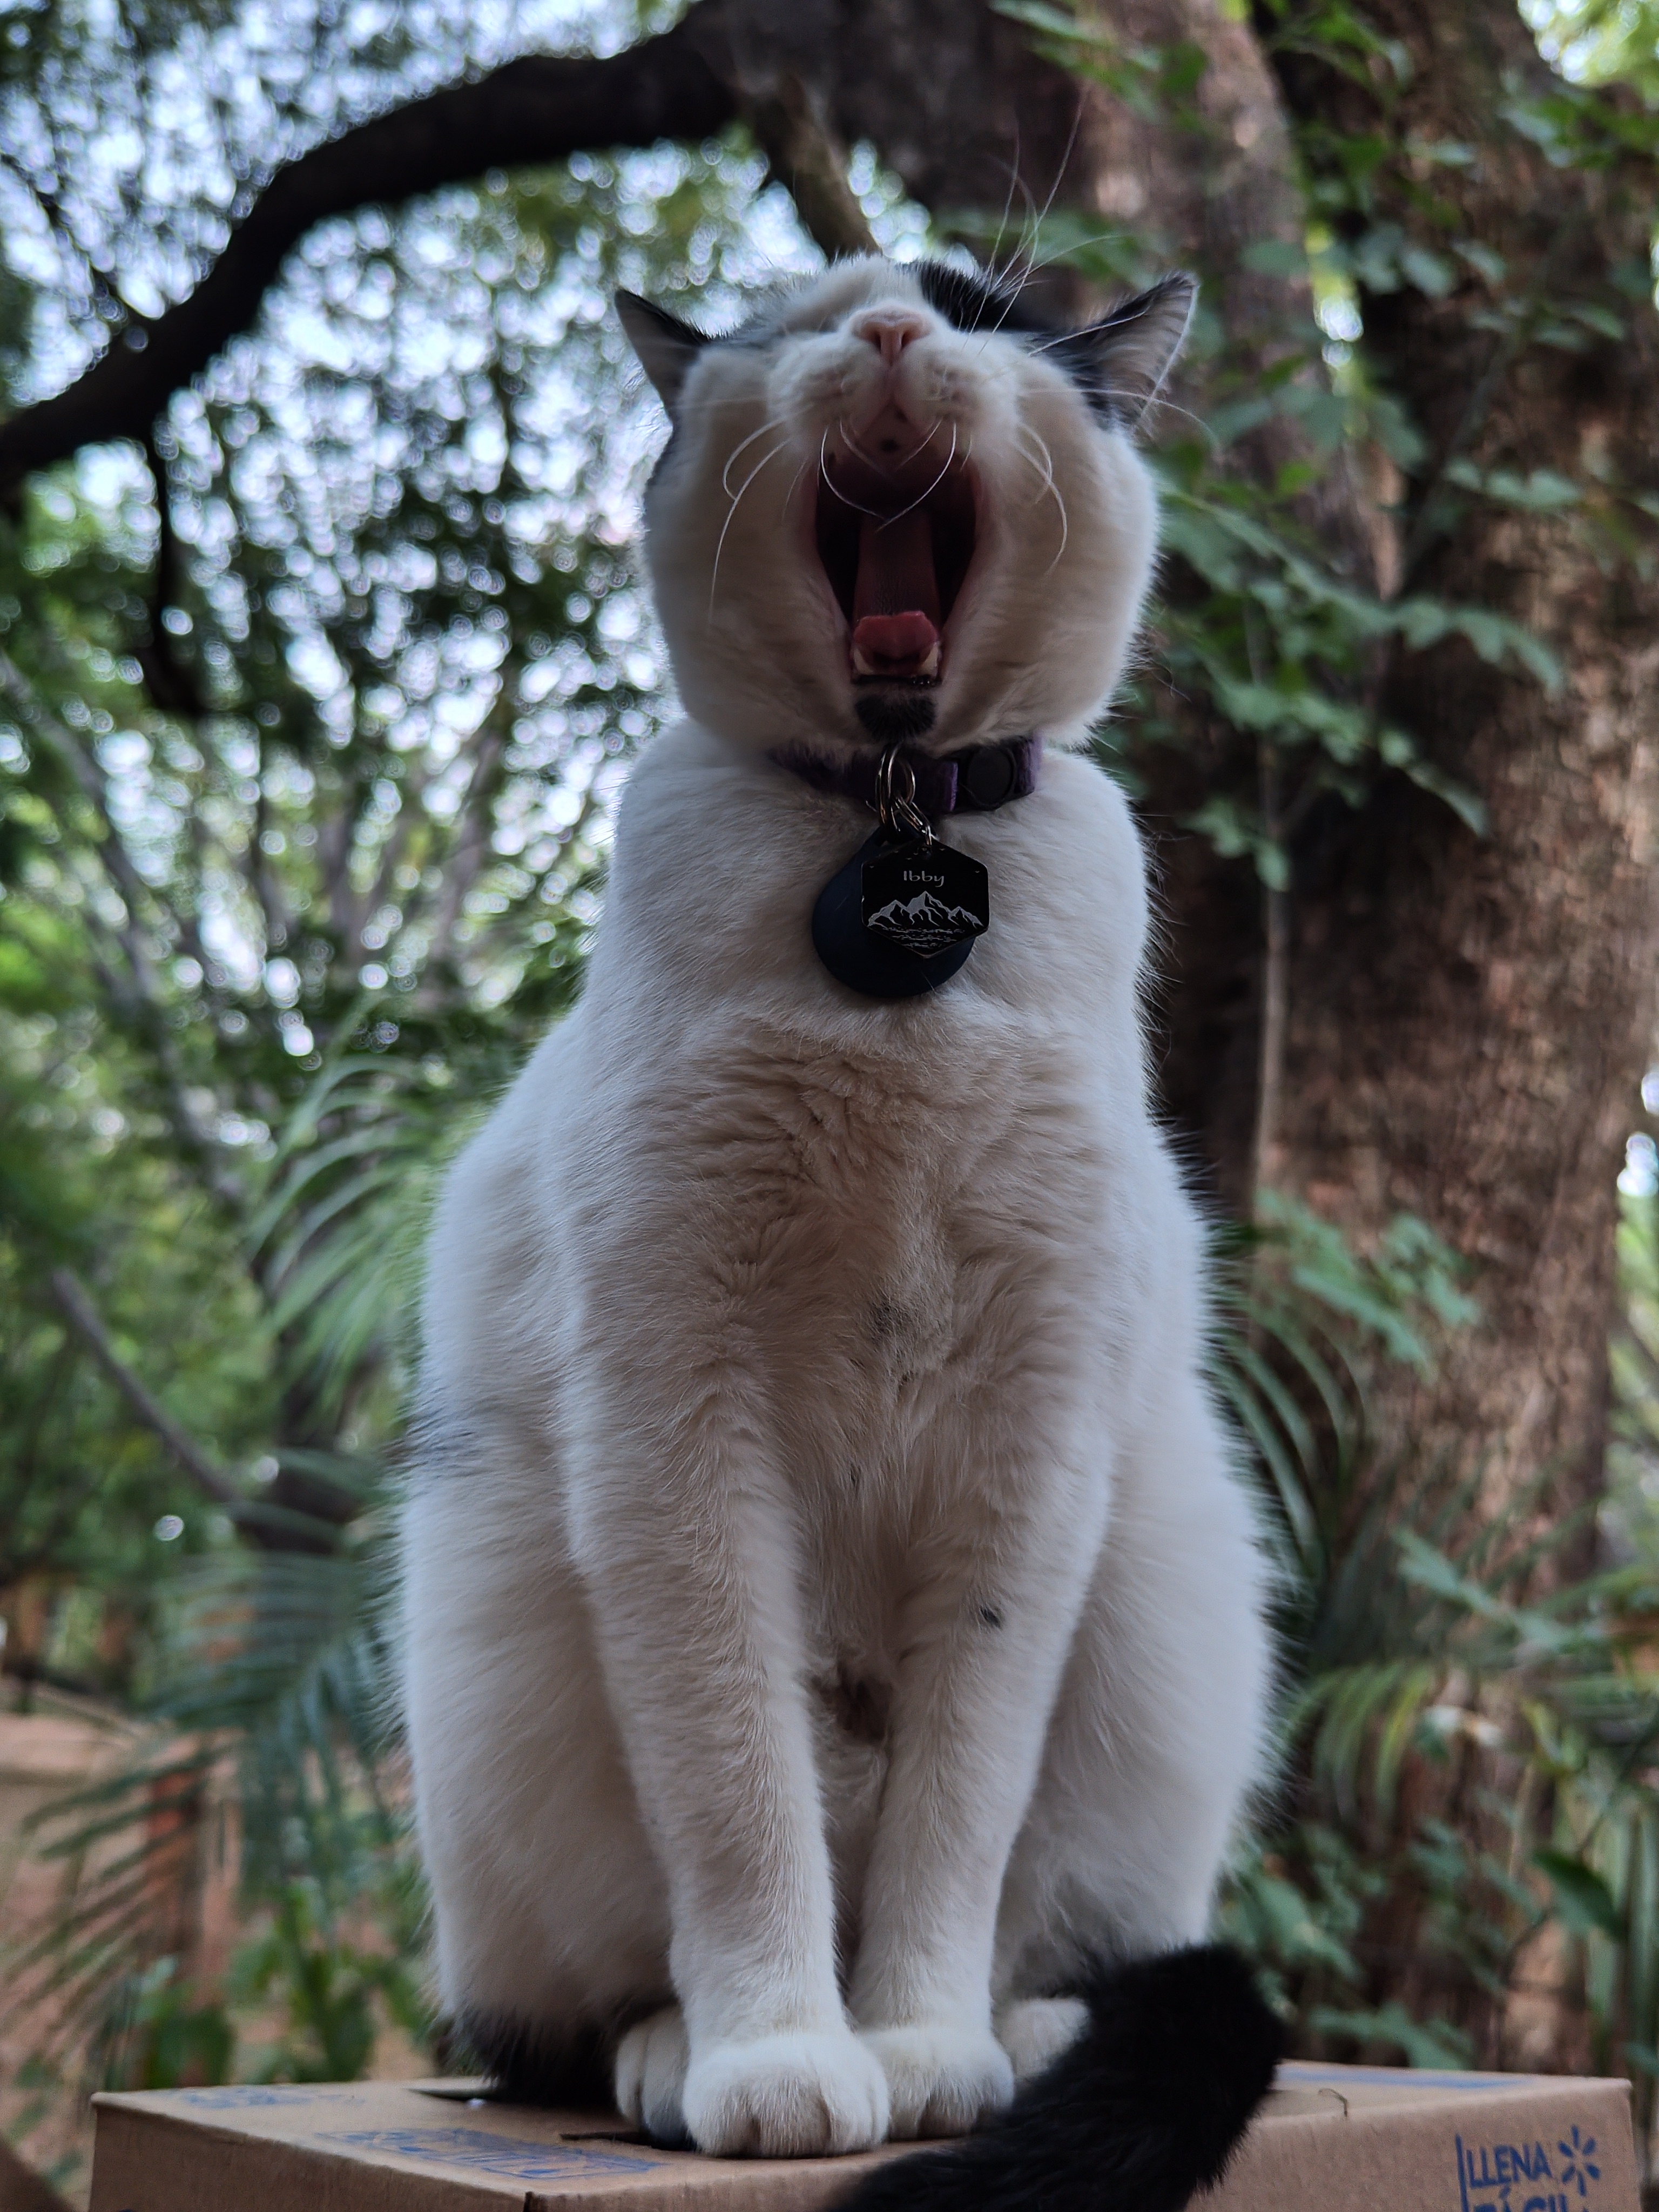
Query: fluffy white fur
[(830, 1613)]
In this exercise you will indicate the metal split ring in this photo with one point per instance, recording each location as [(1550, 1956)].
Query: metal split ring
[(898, 806)]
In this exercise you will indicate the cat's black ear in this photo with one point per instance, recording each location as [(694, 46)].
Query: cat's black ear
[(666, 347), (1121, 362)]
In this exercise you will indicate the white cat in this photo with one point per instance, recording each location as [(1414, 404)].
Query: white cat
[(831, 1624)]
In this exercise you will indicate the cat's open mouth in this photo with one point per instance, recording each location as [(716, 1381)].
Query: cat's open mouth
[(895, 546)]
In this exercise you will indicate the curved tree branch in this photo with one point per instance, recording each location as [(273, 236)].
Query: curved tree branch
[(79, 1310), (537, 109)]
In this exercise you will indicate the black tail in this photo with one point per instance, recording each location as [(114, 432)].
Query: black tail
[(1144, 2110)]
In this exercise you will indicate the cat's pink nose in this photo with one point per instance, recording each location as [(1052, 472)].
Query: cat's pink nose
[(891, 329)]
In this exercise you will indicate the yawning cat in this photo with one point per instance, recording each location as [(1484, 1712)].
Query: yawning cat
[(832, 1626)]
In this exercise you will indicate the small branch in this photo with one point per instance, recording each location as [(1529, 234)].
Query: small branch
[(1275, 1014), (538, 109), (804, 157), (169, 682), (79, 1310), (1275, 976)]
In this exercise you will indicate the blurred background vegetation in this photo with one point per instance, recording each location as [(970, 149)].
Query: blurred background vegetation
[(312, 713)]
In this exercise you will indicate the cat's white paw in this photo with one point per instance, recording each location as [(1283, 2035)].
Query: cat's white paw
[(940, 2079), (787, 2096), (651, 2062), (1036, 2031)]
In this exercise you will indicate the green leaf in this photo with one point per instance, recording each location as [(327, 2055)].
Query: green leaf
[(1430, 272), (1583, 1898), (1039, 15), (1469, 808)]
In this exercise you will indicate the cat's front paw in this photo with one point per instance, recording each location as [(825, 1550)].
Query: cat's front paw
[(941, 2078), (651, 2062), (786, 2096)]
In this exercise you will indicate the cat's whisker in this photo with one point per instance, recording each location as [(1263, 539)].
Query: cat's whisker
[(1021, 255), (1039, 219), (719, 547), (790, 493), (725, 473), (1008, 203), (921, 444), (883, 467), (1008, 278), (1047, 489), (1035, 268), (1064, 528), (1174, 406), (849, 440), (922, 498), (1045, 468), (1023, 265), (1065, 164), (824, 470)]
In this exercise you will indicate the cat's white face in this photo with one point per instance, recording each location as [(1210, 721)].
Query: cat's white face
[(893, 508)]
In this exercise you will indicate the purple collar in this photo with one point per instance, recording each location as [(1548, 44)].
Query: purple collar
[(976, 782)]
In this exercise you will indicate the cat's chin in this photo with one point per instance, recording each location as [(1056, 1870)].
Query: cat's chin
[(894, 716)]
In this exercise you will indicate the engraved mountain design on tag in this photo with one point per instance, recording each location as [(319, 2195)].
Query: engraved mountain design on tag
[(924, 923), (926, 897)]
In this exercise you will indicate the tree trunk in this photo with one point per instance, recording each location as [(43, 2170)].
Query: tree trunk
[(1469, 1018)]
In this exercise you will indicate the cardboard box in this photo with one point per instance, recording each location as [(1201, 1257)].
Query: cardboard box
[(1331, 2139)]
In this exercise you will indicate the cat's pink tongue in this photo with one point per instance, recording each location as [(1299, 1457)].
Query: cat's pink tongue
[(895, 645), (895, 598)]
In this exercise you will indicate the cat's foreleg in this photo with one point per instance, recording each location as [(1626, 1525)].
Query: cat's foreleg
[(687, 1549), (1161, 1727), (986, 1638)]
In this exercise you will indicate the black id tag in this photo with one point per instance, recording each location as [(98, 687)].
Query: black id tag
[(927, 898), (902, 916)]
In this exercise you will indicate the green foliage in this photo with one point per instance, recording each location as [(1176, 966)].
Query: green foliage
[(273, 1695), (304, 815), (1469, 1721), (333, 1991), (169, 2035), (264, 950), (1269, 649), (1631, 1512), (1601, 42), (1302, 1315), (328, 1997)]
